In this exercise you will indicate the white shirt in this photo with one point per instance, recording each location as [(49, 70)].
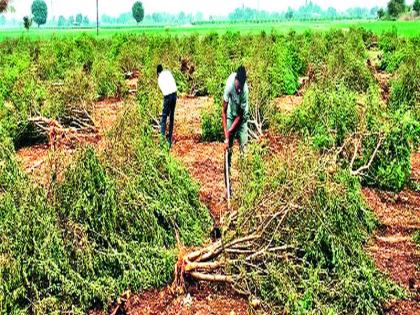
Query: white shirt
[(167, 83)]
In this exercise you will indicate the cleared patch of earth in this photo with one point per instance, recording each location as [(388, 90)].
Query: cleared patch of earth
[(287, 103), (202, 299), (392, 246)]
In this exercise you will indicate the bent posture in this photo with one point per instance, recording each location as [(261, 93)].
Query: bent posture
[(168, 87), (235, 112)]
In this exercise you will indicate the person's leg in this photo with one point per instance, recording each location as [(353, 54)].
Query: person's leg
[(165, 113), (243, 136), (231, 141), (172, 119)]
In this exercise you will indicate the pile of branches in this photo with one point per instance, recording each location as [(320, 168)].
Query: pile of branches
[(74, 125), (306, 220), (254, 242)]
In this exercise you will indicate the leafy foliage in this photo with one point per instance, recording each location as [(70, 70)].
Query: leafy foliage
[(405, 87), (396, 7), (327, 114), (416, 6), (112, 224), (39, 11), (113, 221), (138, 11), (211, 124), (27, 22)]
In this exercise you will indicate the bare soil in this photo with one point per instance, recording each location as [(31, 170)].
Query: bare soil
[(287, 103), (202, 299), (392, 246), (204, 160)]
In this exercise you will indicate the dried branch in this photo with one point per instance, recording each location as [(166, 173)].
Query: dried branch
[(367, 166)]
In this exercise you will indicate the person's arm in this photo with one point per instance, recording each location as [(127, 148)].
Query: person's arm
[(245, 104), (236, 122), (224, 119), (160, 83), (224, 113)]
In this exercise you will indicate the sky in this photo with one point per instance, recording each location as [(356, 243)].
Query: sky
[(209, 7)]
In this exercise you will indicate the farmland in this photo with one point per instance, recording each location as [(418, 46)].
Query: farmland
[(97, 214), (404, 28)]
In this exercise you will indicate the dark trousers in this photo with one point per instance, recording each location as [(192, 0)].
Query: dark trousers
[(169, 102)]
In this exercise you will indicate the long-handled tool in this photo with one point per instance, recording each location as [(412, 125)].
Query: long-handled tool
[(227, 179)]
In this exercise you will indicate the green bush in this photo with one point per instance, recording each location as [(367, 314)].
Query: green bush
[(282, 76), (78, 90), (112, 225), (393, 49), (391, 169), (327, 115), (211, 124), (109, 79), (346, 67), (405, 87)]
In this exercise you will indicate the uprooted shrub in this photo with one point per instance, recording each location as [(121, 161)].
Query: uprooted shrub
[(112, 224), (327, 115), (395, 50), (211, 123), (405, 87), (388, 151), (297, 239), (377, 143), (109, 78)]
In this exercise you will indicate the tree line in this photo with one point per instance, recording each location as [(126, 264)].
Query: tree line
[(308, 11), (396, 8)]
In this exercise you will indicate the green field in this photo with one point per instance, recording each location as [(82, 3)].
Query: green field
[(104, 209), (404, 28)]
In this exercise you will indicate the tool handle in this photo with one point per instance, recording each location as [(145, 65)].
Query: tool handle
[(227, 177)]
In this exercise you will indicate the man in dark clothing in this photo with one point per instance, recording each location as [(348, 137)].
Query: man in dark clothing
[(235, 112), (168, 87)]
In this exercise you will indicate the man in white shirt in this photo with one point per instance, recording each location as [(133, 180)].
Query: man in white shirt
[(168, 87)]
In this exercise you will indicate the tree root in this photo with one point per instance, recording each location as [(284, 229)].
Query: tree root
[(222, 261), (75, 126)]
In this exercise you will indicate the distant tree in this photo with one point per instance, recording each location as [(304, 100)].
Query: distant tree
[(416, 6), (199, 16), (71, 20), (380, 13), (124, 18), (27, 22), (396, 7), (289, 14), (61, 21), (374, 11), (181, 18), (79, 19), (138, 11), (331, 13), (39, 11), (85, 21)]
